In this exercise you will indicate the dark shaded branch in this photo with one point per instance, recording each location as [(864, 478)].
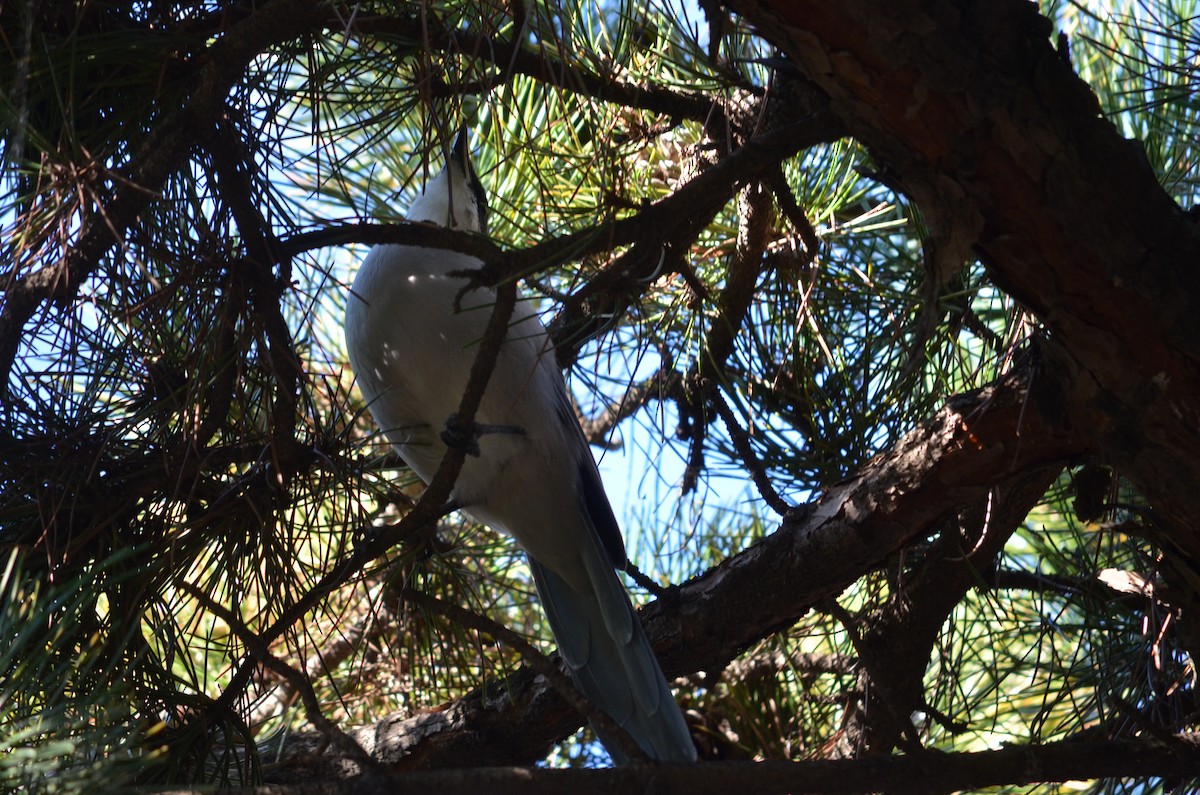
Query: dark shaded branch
[(1095, 588), (898, 640), (886, 706), (686, 209), (405, 234), (741, 443), (733, 304), (544, 66), (791, 210), (927, 772), (234, 169)]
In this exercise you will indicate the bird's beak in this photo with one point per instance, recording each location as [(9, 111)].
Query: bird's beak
[(461, 150)]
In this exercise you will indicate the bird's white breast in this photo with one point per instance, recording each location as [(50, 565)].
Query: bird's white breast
[(412, 354)]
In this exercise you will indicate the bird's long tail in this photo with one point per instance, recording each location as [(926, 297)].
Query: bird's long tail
[(602, 641)]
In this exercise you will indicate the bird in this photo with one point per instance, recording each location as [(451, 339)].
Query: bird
[(412, 333)]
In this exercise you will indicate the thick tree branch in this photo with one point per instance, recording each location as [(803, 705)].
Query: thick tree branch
[(926, 772), (951, 461), (971, 105)]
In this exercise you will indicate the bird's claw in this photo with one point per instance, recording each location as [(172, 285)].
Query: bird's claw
[(466, 438), (459, 437)]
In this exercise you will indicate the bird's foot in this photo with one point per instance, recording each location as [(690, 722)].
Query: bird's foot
[(366, 538), (466, 438)]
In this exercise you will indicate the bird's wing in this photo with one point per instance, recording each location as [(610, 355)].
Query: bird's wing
[(593, 498)]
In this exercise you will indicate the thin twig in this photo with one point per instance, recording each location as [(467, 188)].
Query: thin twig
[(597, 428), (741, 443), (791, 209), (733, 304)]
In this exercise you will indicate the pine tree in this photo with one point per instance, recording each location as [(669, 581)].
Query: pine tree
[(888, 304)]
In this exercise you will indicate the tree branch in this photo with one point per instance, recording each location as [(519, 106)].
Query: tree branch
[(952, 460), (542, 65), (733, 306), (975, 112), (236, 187), (898, 639), (927, 772), (684, 212)]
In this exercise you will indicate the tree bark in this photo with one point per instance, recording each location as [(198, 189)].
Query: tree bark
[(896, 641), (926, 772), (987, 128)]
